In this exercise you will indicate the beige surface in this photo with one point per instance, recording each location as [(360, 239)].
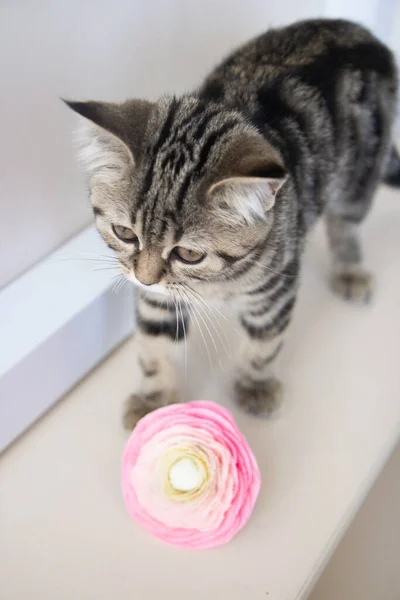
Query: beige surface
[(64, 532), (366, 563)]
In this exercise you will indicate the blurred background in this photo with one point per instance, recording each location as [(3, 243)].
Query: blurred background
[(96, 49)]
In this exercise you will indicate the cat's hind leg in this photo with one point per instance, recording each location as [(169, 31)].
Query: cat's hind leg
[(349, 279), (363, 167), (364, 159)]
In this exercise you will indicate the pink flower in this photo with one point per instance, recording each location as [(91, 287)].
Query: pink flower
[(189, 476)]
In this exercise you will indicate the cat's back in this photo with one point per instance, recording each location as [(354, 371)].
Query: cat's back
[(319, 91), (312, 51)]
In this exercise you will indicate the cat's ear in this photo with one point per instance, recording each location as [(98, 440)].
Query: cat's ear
[(111, 135), (254, 176), (246, 199)]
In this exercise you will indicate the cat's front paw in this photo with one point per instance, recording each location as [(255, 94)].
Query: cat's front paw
[(355, 285), (139, 405), (260, 398)]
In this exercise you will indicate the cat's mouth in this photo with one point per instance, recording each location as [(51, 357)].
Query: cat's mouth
[(155, 288), (177, 292)]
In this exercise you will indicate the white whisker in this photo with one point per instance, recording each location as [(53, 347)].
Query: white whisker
[(212, 319), (106, 268), (204, 339), (203, 301), (193, 306), (260, 264), (184, 334)]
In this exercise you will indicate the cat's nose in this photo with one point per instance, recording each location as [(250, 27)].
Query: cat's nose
[(147, 280), (149, 267)]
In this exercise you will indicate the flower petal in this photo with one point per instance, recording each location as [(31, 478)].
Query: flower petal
[(201, 516)]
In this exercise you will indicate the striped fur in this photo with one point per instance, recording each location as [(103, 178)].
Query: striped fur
[(293, 124)]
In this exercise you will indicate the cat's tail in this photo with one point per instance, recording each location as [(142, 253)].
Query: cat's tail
[(391, 173)]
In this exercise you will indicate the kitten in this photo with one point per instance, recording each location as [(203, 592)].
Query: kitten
[(211, 195)]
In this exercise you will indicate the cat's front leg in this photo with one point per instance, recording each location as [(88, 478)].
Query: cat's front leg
[(159, 326), (257, 388)]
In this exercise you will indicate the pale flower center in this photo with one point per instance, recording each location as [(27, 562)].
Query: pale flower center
[(185, 475)]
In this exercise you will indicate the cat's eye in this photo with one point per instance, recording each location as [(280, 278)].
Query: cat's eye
[(185, 255), (125, 234)]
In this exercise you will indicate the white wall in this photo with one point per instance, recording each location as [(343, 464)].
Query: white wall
[(375, 14), (94, 49)]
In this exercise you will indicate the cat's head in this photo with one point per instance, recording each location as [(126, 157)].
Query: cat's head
[(181, 190)]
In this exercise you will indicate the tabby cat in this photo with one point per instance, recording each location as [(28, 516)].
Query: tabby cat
[(210, 196)]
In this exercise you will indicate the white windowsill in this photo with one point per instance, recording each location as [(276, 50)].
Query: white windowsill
[(57, 321)]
